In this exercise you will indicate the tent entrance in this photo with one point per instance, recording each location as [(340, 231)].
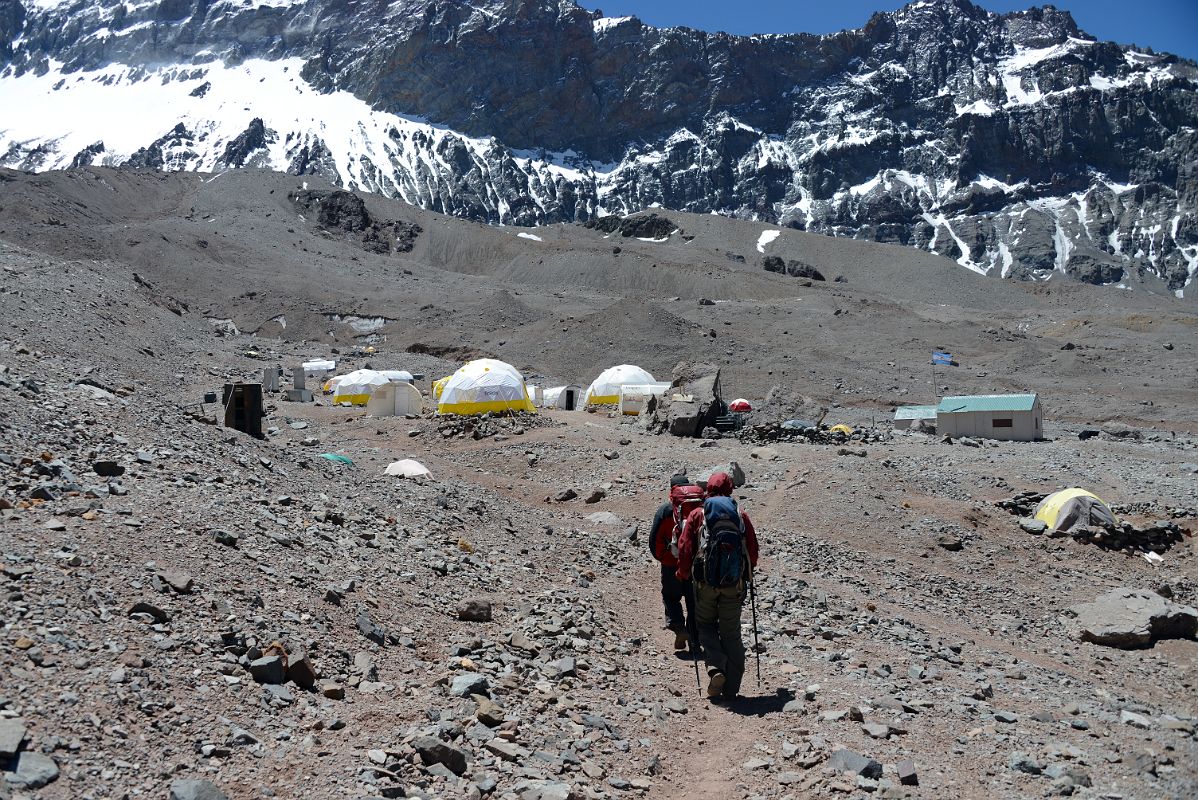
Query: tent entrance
[(571, 398)]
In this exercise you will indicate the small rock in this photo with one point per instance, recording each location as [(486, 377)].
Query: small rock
[(595, 496), (1033, 526), (906, 773), (848, 761), (506, 750), (877, 730), (332, 690), (1135, 720), (300, 670), (12, 733), (1022, 762), (489, 712), (475, 611), (435, 751), (227, 538), (157, 613), (268, 669), (193, 789), (1006, 716), (950, 542), (108, 469), (565, 495), (468, 683), (180, 582)]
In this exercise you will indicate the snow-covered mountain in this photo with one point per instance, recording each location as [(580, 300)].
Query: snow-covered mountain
[(1015, 144)]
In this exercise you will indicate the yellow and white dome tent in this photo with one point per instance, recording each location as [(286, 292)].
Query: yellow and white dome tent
[(482, 385), (355, 388), (605, 390), (439, 386)]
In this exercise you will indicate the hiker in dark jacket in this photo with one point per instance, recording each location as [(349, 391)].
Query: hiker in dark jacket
[(718, 608), (674, 593)]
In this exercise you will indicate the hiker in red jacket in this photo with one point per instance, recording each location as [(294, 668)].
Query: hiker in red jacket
[(684, 496), (719, 577)]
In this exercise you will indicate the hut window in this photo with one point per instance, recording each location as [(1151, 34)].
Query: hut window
[(1002, 423)]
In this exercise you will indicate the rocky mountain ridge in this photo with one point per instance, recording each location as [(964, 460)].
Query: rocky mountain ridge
[(1014, 144)]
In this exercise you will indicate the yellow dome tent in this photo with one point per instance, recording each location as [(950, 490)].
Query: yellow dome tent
[(841, 428), (483, 385), (605, 390), (439, 386), (1074, 508)]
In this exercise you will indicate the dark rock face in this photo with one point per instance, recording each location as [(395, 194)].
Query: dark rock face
[(168, 152), (87, 155), (1014, 144), (346, 211), (641, 226), (253, 140)]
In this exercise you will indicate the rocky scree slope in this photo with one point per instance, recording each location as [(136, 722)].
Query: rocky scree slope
[(1015, 144)]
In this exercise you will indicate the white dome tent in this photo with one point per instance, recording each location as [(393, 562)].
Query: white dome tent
[(482, 385), (395, 399), (605, 390), (355, 388)]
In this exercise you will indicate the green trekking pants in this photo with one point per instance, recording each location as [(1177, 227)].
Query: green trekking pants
[(718, 615)]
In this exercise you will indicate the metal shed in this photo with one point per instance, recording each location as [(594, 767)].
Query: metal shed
[(1011, 417)]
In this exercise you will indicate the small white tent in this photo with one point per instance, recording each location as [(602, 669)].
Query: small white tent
[(395, 399), (482, 385), (562, 397), (407, 468), (605, 390), (318, 368)]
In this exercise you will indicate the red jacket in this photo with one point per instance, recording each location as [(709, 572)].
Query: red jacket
[(719, 484)]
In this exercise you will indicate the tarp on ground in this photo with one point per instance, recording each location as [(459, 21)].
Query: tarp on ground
[(605, 389), (485, 385), (1074, 508)]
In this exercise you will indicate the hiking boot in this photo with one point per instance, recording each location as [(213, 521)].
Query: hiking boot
[(715, 684), (681, 640)]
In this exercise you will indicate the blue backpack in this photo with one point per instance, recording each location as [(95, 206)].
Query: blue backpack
[(722, 548)]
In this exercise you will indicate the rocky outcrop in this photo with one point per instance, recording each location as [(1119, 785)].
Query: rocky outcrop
[(12, 20), (249, 143), (346, 212), (1014, 144), (1131, 618)]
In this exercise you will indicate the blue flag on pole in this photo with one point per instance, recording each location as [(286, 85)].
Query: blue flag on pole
[(941, 357)]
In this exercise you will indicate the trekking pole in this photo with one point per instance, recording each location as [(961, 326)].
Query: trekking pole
[(753, 606), (694, 640)]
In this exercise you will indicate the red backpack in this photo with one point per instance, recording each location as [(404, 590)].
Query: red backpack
[(684, 500)]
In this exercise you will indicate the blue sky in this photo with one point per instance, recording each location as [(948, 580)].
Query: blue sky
[(1164, 25)]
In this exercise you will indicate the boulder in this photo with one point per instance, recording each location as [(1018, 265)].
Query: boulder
[(693, 401), (33, 771), (1131, 618)]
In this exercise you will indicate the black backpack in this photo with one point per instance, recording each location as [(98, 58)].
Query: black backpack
[(722, 553)]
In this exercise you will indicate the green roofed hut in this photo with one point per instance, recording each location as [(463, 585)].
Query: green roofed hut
[(1012, 417), (908, 417)]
